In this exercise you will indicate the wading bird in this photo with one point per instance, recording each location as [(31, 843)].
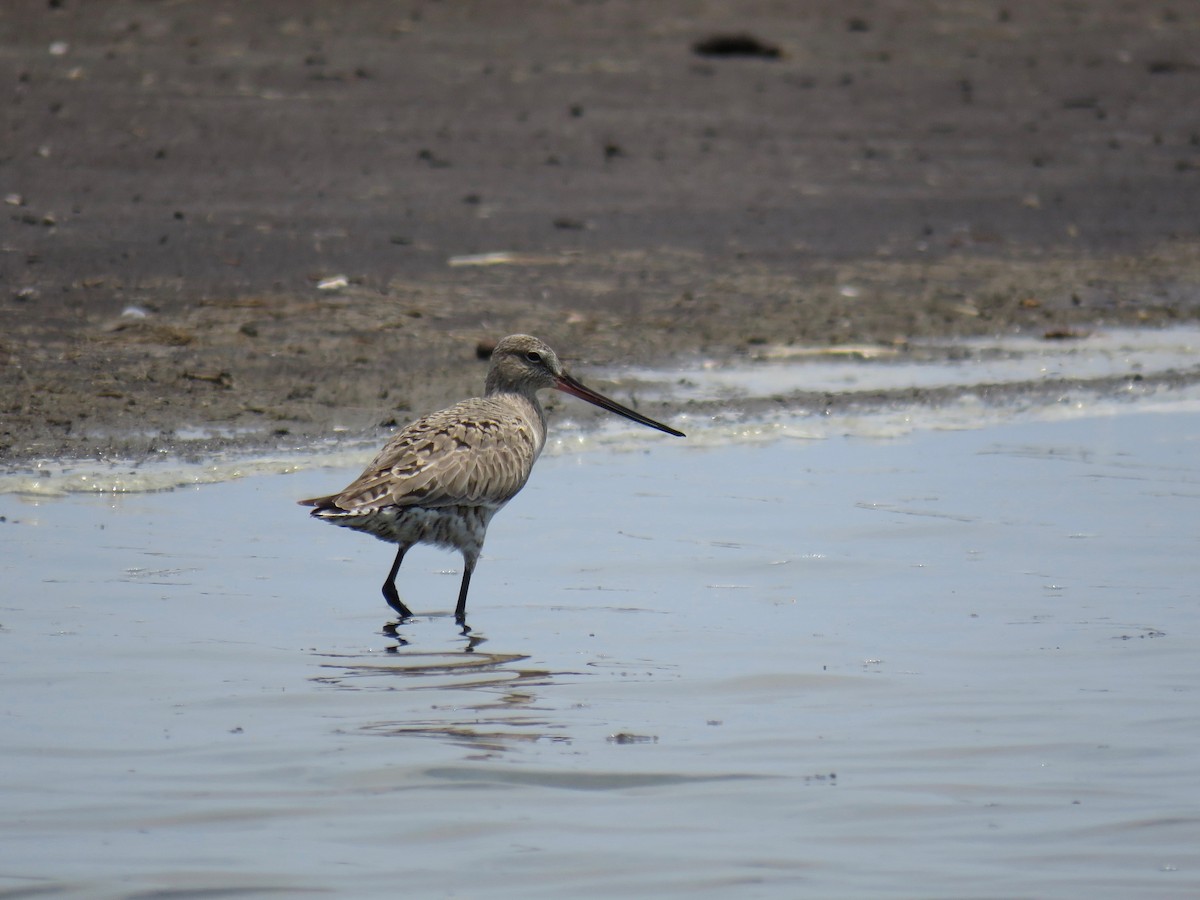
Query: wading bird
[(441, 479)]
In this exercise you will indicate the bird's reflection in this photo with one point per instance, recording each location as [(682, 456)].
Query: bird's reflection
[(392, 630), (498, 704)]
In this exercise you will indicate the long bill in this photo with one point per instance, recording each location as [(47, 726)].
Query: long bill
[(569, 385)]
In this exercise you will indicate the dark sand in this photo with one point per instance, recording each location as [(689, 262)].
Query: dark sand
[(180, 178)]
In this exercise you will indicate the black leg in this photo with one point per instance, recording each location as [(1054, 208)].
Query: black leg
[(390, 594), (460, 611)]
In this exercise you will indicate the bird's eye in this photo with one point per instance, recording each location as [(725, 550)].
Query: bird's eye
[(533, 356)]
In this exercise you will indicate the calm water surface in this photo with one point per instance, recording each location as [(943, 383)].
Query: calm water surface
[(944, 664)]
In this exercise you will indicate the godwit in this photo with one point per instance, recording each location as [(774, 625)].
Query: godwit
[(441, 479)]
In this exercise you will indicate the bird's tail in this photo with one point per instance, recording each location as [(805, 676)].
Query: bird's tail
[(319, 503)]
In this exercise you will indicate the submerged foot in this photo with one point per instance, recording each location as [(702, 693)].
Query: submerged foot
[(392, 596)]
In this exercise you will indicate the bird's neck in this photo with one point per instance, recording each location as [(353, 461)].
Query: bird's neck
[(524, 400)]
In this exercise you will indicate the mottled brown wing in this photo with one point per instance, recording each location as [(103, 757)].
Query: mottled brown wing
[(477, 453)]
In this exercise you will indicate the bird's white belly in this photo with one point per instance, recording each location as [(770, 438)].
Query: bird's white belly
[(454, 527)]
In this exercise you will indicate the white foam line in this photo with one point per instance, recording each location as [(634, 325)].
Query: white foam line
[(1156, 351)]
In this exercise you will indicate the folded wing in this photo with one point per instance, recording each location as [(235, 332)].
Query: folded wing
[(477, 453)]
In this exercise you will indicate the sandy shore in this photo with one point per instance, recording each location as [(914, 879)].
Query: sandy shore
[(275, 220)]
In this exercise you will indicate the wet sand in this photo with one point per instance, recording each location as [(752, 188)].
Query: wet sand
[(253, 225)]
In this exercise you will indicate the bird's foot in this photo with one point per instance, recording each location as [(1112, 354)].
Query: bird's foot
[(392, 596)]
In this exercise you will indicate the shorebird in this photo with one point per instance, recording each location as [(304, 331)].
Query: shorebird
[(442, 478)]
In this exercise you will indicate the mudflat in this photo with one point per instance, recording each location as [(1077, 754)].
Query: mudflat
[(280, 218)]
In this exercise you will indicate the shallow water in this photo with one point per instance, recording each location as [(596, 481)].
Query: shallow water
[(937, 664), (1007, 360)]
